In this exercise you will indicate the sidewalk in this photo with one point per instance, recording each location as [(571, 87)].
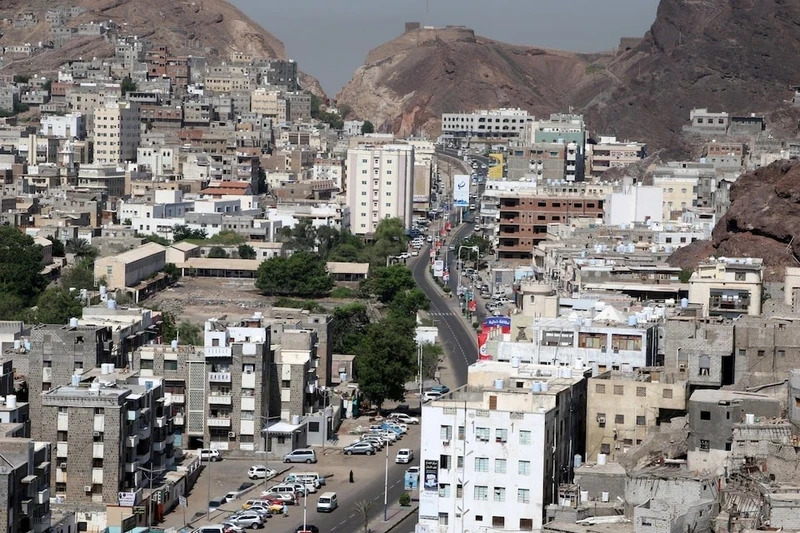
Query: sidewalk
[(395, 514)]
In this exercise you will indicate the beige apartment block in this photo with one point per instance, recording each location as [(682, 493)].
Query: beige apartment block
[(129, 268), (623, 406), (728, 286)]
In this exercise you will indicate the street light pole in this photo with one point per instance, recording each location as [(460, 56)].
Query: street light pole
[(386, 488)]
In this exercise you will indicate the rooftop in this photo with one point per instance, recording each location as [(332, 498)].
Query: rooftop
[(141, 252)]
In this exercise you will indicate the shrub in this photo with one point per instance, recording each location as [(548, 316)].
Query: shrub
[(405, 499)]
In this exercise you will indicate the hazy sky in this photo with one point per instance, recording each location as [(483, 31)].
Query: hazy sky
[(331, 38)]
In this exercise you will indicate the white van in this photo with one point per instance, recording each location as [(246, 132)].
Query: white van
[(306, 478), (327, 502)]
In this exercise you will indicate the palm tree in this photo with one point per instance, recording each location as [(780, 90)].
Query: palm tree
[(363, 508), (80, 247)]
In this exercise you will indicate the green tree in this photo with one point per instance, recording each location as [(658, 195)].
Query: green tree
[(157, 239), (363, 508), (81, 248), (316, 103), (261, 183), (406, 303), (367, 127), (431, 357), (172, 272), (344, 110), (685, 274), (228, 237), (127, 85), (189, 333), (301, 274), (80, 276), (58, 247), (217, 252), (386, 360), (21, 280), (169, 328), (349, 325), (301, 237), (245, 251), (21, 78), (386, 282), (484, 245), (181, 232), (57, 305)]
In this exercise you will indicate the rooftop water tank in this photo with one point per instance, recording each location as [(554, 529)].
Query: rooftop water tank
[(632, 320), (73, 322), (112, 304), (684, 303), (102, 289), (174, 344), (515, 362), (11, 401), (545, 386), (17, 344), (577, 462), (76, 380), (601, 459), (584, 493), (498, 383), (95, 386), (296, 420), (537, 386)]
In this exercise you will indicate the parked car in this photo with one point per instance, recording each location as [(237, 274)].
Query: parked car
[(288, 488), (359, 448), (404, 456), (284, 497), (260, 472), (304, 455), (207, 454), (327, 502), (216, 503), (308, 478), (377, 442), (404, 418), (247, 519), (430, 395), (216, 528), (309, 528), (442, 389), (412, 470)]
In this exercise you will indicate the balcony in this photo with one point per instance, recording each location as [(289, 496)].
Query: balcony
[(97, 476), (219, 422), (220, 399), (99, 423), (217, 351), (159, 446), (219, 377), (248, 403), (132, 441), (47, 375), (178, 398), (144, 432), (61, 450), (249, 381), (178, 420), (98, 450), (133, 414), (161, 421), (143, 458), (63, 422), (132, 466)]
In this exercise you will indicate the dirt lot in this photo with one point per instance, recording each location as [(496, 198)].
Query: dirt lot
[(198, 299)]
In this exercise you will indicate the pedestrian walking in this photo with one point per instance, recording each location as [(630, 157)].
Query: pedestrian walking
[(285, 510)]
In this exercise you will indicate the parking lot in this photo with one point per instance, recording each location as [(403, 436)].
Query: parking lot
[(368, 474)]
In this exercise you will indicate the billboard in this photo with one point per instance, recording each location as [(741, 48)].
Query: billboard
[(431, 475), (438, 268), (503, 322), (496, 162), (483, 354), (461, 190)]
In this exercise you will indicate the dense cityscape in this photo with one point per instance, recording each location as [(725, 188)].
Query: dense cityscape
[(230, 301)]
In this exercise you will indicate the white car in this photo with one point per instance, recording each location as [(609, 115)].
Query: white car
[(404, 418), (404, 456), (207, 454), (414, 253), (260, 472), (430, 395), (430, 238), (404, 255)]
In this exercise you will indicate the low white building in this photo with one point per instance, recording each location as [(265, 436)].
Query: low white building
[(494, 451), (634, 204), (503, 122), (69, 126)]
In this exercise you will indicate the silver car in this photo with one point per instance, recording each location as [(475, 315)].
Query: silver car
[(250, 520)]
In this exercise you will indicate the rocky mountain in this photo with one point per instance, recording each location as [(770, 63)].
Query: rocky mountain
[(763, 221), (719, 54), (210, 28)]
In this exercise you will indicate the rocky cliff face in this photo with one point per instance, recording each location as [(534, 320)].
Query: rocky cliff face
[(409, 82), (210, 28), (763, 221), (736, 55)]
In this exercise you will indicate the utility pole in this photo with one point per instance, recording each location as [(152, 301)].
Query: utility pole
[(386, 488)]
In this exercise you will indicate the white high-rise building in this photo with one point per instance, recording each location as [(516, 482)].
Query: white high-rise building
[(495, 451), (116, 132), (380, 183)]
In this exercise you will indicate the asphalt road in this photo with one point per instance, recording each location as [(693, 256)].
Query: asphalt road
[(458, 340), (407, 526)]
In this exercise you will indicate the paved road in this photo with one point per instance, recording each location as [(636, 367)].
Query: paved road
[(458, 340), (407, 525)]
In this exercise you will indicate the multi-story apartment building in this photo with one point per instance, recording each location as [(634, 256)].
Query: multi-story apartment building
[(503, 122), (270, 103), (277, 72), (379, 185), (545, 161), (623, 406), (24, 485), (728, 286), (523, 216), (565, 129), (499, 447), (71, 125), (58, 352), (109, 427), (102, 179), (116, 132), (610, 153)]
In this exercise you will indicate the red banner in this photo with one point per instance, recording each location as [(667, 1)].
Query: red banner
[(482, 355)]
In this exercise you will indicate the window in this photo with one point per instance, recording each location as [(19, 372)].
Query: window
[(761, 353), (781, 353), (313, 427), (479, 518), (99, 437), (62, 436), (742, 352), (170, 364), (523, 495), (460, 461), (619, 390), (444, 519), (459, 491), (704, 445), (499, 494), (641, 392), (444, 462), (286, 383), (482, 434), (640, 421), (461, 432), (446, 432), (501, 435), (524, 468), (600, 388), (740, 276), (526, 524), (97, 463), (444, 490), (499, 466), (605, 448), (498, 521), (705, 415), (481, 464), (666, 393), (146, 364), (619, 419), (525, 437), (481, 493), (601, 419), (99, 411)]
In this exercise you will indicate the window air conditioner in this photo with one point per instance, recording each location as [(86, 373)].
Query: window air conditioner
[(231, 434), (87, 488)]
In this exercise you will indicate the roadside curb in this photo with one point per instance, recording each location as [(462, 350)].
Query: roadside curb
[(379, 526)]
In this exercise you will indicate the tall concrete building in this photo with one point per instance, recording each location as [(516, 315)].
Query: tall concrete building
[(116, 132), (503, 122), (380, 182), (24, 486), (500, 446), (109, 426)]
